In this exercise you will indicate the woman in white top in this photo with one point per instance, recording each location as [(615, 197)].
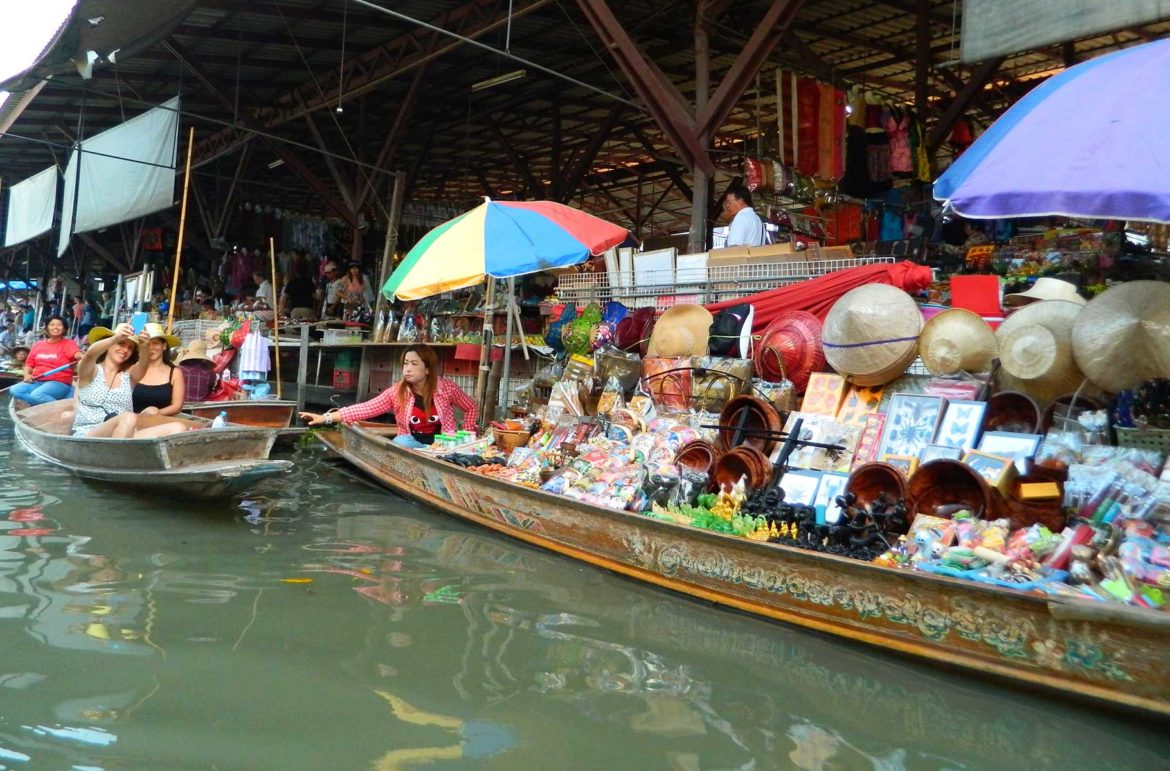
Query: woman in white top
[(106, 377)]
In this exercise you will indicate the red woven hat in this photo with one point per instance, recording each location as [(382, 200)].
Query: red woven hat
[(633, 331), (794, 338)]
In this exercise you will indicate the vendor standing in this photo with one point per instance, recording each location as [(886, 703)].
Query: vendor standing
[(423, 403), (746, 227), (55, 352)]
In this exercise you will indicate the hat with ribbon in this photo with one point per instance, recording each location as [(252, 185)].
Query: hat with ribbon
[(1045, 288), (871, 334)]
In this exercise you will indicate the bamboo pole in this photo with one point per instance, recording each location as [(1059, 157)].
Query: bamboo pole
[(275, 312), (182, 225)]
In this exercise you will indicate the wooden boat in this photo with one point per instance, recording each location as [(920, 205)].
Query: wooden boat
[(9, 379), (1112, 654), (196, 464), (277, 414)]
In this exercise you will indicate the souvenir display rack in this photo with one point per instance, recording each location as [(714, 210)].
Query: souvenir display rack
[(701, 285)]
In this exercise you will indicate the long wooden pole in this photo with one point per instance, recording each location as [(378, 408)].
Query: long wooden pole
[(182, 225), (275, 312)]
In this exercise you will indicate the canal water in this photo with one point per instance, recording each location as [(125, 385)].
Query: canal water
[(321, 623)]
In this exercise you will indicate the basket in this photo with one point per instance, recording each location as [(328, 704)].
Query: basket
[(509, 439), (1144, 438)]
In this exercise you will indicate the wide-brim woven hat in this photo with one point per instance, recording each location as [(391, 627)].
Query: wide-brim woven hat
[(1045, 288), (790, 347), (957, 340), (1122, 337), (154, 330), (98, 333), (871, 334), (1035, 350), (681, 331), (196, 350)]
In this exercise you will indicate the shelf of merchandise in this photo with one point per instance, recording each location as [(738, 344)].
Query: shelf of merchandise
[(714, 283)]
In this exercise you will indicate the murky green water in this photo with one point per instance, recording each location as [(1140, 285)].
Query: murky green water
[(324, 624)]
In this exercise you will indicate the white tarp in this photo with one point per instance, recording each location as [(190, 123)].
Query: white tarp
[(126, 172), (31, 204)]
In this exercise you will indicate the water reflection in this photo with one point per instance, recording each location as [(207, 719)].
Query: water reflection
[(321, 624)]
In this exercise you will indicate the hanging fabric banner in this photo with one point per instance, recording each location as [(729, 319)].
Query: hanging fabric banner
[(30, 207), (123, 173)]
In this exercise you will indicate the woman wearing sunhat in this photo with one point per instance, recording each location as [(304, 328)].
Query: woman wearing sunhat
[(198, 371), (52, 353), (162, 387), (106, 376)]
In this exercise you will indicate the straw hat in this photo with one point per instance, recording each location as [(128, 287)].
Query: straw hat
[(98, 333), (1035, 350), (871, 334), (681, 331), (1122, 336), (195, 351), (153, 330), (1044, 289), (790, 346), (957, 340)]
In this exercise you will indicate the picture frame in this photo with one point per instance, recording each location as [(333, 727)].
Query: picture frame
[(939, 452), (800, 486), (823, 394), (911, 424), (999, 471), (907, 464), (1008, 444), (871, 435), (832, 485), (860, 402), (960, 424)]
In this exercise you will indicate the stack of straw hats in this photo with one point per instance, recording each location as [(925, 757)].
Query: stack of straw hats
[(957, 340), (1122, 337), (871, 334), (1035, 350)]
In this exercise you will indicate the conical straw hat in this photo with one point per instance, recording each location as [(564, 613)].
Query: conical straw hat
[(1035, 350), (957, 340), (1122, 337), (871, 334)]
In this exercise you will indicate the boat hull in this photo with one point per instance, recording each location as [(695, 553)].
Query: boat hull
[(196, 464), (276, 414), (1087, 649)]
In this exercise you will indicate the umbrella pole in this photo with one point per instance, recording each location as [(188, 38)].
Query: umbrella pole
[(506, 387), (489, 307), (275, 313), (182, 224)]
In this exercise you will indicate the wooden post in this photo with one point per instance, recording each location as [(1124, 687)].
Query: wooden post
[(303, 367), (485, 354), (182, 224), (275, 313)]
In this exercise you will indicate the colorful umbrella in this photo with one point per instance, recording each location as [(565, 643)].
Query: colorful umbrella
[(1089, 142), (500, 239)]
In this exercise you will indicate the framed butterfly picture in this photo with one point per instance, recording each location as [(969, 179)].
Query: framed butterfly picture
[(911, 423), (960, 424)]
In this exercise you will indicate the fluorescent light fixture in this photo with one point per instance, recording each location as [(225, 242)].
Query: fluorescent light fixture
[(277, 162), (507, 77)]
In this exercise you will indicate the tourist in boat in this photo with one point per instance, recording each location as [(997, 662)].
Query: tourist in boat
[(19, 357), (52, 353), (106, 376), (422, 402), (162, 388)]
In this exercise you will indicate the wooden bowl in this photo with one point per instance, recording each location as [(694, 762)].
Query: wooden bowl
[(950, 482), (729, 468), (757, 461), (870, 479), (1011, 411), (761, 416), (697, 455)]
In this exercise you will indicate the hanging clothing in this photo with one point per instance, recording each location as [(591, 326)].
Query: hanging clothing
[(898, 127), (856, 181), (254, 361)]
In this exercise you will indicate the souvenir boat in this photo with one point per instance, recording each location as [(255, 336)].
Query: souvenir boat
[(200, 464), (1113, 654)]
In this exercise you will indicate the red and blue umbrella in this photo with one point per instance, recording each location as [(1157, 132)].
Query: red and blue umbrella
[(1089, 142), (500, 239)]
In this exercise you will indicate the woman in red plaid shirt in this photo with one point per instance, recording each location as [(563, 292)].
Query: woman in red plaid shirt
[(422, 402)]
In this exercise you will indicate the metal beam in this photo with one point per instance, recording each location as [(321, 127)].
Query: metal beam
[(294, 163), (771, 29), (568, 186), (394, 135), (520, 164), (958, 105)]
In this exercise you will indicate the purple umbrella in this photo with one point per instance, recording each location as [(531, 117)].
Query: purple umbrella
[(1093, 141)]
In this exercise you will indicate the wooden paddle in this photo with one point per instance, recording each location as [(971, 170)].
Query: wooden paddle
[(43, 375)]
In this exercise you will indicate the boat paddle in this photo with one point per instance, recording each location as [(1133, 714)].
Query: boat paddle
[(43, 375)]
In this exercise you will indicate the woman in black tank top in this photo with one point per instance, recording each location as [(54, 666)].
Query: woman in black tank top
[(162, 389)]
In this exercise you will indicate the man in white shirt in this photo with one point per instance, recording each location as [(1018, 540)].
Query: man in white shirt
[(8, 338), (747, 229)]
